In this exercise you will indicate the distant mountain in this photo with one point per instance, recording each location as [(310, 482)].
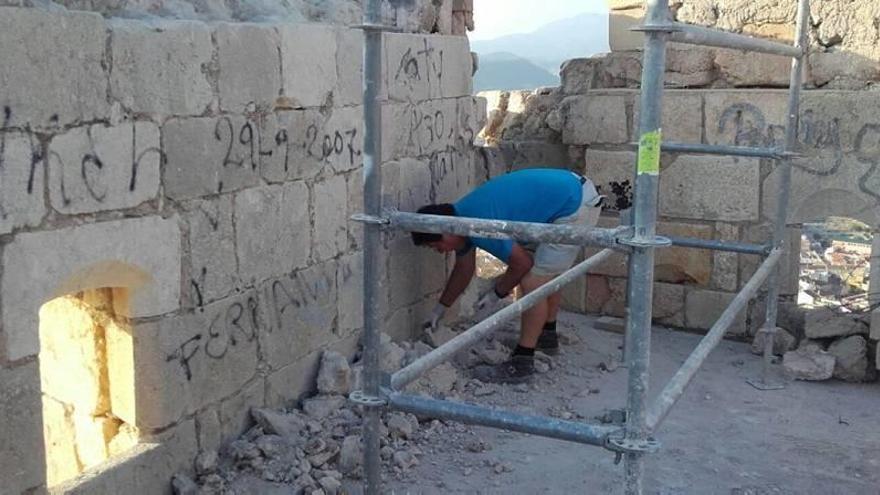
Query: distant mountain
[(547, 47), (508, 71)]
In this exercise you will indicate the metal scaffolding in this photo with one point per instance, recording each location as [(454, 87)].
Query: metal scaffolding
[(633, 440)]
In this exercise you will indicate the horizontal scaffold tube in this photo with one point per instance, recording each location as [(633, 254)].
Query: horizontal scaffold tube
[(572, 431), (703, 36), (501, 229), (677, 385), (730, 247), (713, 149), (464, 340)]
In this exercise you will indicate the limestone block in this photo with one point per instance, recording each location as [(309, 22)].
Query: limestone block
[(620, 22), (208, 427), (58, 77), (235, 412), (850, 358), (753, 69), (300, 144), (812, 364), (419, 67), (704, 307), (21, 438), (783, 342), (689, 66), (668, 306), (745, 118), (578, 75), (350, 281), (414, 272), (189, 361), (822, 322), (355, 183), (710, 188), (146, 468), (206, 156), (249, 71), (273, 232), (682, 117), (92, 437), (330, 237), (293, 380), (213, 267), (349, 67), (308, 62), (138, 254), (842, 70), (71, 359), (612, 172), (725, 268), (22, 181), (99, 168), (407, 184), (595, 119), (301, 314), (160, 69), (60, 442), (453, 175), (420, 129)]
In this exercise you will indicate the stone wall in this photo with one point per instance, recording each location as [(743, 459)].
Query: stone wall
[(844, 35), (207, 173)]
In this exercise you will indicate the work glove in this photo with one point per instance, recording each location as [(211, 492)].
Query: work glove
[(488, 304), (434, 320)]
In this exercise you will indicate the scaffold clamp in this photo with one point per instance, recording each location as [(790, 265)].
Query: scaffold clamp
[(370, 219), (361, 398), (642, 242), (623, 445)]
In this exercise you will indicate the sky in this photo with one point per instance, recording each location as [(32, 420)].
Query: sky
[(494, 18)]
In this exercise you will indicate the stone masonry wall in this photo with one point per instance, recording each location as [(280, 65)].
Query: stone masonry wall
[(208, 171)]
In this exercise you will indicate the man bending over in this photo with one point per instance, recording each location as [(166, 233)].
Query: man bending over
[(533, 195)]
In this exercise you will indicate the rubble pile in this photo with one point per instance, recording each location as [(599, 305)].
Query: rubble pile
[(316, 449)]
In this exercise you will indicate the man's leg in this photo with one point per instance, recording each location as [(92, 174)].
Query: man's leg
[(533, 320)]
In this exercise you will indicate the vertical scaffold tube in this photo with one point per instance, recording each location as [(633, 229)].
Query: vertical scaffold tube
[(641, 270), (783, 193), (372, 253)]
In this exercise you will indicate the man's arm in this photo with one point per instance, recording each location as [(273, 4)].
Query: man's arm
[(461, 276), (518, 265)]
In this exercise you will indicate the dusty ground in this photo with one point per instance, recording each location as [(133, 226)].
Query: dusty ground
[(723, 437)]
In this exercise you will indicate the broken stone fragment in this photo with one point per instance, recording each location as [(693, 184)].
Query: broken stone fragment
[(278, 423), (206, 463), (182, 484), (330, 485), (242, 450), (334, 375), (782, 342), (350, 455), (404, 460), (440, 336), (851, 358), (808, 364), (822, 322), (323, 406), (399, 426)]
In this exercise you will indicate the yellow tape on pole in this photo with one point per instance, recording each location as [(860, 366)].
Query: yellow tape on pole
[(649, 153)]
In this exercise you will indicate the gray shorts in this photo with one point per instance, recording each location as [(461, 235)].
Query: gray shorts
[(553, 259)]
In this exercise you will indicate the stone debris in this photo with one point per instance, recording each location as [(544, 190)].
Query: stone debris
[(808, 363), (206, 463), (783, 342), (440, 336), (824, 323), (184, 485), (851, 358), (323, 405), (279, 423), (334, 375)]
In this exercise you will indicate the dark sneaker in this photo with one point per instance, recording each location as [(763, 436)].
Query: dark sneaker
[(518, 369), (548, 343)]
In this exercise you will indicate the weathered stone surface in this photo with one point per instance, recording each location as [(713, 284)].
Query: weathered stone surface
[(22, 181), (620, 23), (323, 405), (272, 230), (349, 67), (277, 423), (159, 69), (56, 78), (842, 70), (668, 308), (21, 438), (191, 361), (407, 184), (689, 188), (213, 269), (138, 254), (350, 281), (301, 144), (783, 341), (249, 67), (414, 273), (821, 323), (206, 156), (234, 412), (421, 129), (745, 118), (851, 358), (330, 236), (300, 315), (578, 75), (421, 67), (753, 69), (682, 117), (334, 375), (595, 119), (808, 364), (99, 168), (704, 307), (308, 62), (350, 455), (208, 426)]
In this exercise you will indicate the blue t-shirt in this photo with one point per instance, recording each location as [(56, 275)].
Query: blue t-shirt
[(532, 195)]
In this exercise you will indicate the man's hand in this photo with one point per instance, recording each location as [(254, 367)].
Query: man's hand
[(434, 320)]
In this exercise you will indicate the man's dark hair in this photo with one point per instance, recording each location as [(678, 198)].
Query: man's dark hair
[(423, 238)]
